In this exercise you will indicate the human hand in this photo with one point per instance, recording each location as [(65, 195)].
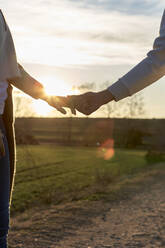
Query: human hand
[(59, 102), (89, 102)]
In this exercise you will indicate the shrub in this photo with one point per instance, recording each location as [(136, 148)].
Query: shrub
[(155, 156), (25, 138)]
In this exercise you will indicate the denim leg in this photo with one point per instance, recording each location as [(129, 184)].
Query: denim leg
[(4, 193)]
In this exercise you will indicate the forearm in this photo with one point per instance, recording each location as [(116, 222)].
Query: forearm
[(104, 97), (28, 84), (141, 76)]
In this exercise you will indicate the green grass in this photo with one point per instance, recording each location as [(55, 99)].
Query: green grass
[(53, 174)]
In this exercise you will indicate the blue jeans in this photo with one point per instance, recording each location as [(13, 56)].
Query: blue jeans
[(4, 191)]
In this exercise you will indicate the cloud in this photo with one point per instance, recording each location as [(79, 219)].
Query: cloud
[(92, 32), (140, 7)]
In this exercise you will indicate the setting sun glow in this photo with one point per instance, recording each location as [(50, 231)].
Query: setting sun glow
[(57, 87), (53, 86)]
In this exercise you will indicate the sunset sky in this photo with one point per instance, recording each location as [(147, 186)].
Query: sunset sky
[(69, 42)]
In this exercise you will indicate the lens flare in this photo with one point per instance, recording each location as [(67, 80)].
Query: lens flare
[(106, 150)]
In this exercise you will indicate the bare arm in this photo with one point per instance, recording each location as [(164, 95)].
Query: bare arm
[(26, 83)]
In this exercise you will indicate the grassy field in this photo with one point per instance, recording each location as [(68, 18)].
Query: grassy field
[(52, 174)]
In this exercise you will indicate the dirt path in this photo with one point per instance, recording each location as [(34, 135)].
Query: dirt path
[(137, 221)]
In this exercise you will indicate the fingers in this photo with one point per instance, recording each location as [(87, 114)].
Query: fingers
[(67, 102), (80, 103), (59, 102), (73, 110), (60, 109), (86, 103), (55, 102), (76, 102)]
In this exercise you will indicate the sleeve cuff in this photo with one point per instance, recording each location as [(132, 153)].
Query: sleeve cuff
[(119, 90)]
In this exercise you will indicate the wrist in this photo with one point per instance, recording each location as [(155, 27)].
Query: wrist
[(105, 96), (43, 97)]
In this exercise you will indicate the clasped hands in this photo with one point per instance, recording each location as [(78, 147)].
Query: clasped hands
[(85, 103)]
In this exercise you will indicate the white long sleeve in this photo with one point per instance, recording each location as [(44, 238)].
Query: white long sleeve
[(146, 72)]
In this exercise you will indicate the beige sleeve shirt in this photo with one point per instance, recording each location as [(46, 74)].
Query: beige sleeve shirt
[(146, 72)]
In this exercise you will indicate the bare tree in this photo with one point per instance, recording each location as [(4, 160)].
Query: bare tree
[(134, 106), (111, 109)]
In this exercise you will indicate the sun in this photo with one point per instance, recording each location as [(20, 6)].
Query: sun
[(57, 87), (41, 108), (53, 86)]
